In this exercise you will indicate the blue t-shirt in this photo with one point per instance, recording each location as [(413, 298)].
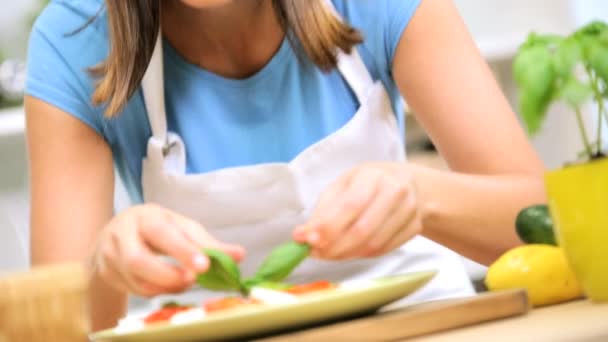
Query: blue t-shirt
[(269, 117)]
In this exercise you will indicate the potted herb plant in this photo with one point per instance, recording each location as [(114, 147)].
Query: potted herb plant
[(573, 69)]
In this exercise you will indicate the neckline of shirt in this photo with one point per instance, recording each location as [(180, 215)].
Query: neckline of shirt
[(278, 59)]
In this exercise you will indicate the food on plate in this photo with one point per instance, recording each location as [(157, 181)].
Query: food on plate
[(164, 314), (265, 294), (224, 275), (223, 304), (311, 288), (264, 288), (542, 270)]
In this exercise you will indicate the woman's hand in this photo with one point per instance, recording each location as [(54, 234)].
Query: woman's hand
[(127, 254), (368, 212)]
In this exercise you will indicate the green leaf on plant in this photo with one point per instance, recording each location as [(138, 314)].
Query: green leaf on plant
[(567, 55), (593, 29), (223, 273), (535, 77), (597, 57), (574, 92), (545, 40)]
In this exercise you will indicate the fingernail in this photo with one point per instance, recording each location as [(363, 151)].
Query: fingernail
[(201, 262), (313, 238)]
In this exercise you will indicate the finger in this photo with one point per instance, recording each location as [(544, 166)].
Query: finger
[(198, 235), (350, 205), (107, 262), (387, 204), (405, 235), (110, 275), (150, 269), (306, 233), (146, 289), (168, 239), (138, 264), (125, 283), (411, 227)]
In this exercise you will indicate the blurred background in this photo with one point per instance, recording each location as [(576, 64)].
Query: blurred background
[(498, 27)]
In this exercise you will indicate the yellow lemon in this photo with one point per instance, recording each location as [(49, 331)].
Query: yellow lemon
[(540, 269)]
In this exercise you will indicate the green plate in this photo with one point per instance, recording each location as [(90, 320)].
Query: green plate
[(250, 321)]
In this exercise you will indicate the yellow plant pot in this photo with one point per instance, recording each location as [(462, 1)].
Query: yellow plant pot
[(578, 200)]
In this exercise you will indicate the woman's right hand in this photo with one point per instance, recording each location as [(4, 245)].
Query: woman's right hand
[(128, 251)]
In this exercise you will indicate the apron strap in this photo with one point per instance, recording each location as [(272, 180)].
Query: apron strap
[(355, 73), (352, 67), (154, 94)]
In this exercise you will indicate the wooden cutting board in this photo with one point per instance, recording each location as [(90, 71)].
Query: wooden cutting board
[(417, 320)]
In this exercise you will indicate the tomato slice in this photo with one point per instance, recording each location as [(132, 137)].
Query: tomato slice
[(311, 287), (221, 304), (164, 314)]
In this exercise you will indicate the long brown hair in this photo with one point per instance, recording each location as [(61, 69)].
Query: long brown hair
[(135, 25)]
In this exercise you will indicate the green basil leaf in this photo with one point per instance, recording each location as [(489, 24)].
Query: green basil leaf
[(536, 40), (574, 92), (593, 29), (274, 285), (597, 57), (535, 78), (568, 54), (533, 111), (281, 262), (223, 273)]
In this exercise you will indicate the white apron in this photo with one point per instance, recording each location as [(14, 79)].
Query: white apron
[(259, 206)]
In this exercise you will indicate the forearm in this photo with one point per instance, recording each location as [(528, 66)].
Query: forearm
[(475, 214)]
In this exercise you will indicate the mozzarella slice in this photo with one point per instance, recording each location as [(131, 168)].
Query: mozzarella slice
[(188, 316), (356, 284), (272, 297), (129, 324)]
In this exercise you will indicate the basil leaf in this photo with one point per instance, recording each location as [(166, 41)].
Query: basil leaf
[(223, 273), (568, 54), (281, 262), (274, 285), (574, 92), (535, 77), (597, 56), (593, 29)]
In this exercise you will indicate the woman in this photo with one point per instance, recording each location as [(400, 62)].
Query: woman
[(254, 122)]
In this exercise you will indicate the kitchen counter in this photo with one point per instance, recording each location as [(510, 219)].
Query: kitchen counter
[(579, 321)]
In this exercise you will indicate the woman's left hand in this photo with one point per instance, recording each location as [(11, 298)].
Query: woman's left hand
[(367, 212)]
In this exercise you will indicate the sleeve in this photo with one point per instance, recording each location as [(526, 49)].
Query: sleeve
[(382, 23), (56, 71), (398, 14)]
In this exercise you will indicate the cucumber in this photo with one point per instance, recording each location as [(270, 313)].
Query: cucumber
[(535, 226)]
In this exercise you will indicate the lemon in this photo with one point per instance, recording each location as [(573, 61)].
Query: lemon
[(540, 269)]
